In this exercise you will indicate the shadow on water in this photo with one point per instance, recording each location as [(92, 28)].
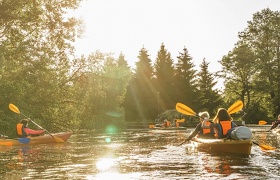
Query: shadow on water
[(137, 154)]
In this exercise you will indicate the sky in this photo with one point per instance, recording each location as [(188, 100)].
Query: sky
[(207, 28)]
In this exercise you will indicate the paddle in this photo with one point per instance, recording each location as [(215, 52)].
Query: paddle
[(237, 106), (264, 146), (185, 109), (151, 126), (262, 122), (273, 126), (16, 110)]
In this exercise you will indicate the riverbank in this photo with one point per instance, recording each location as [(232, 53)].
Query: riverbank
[(145, 125)]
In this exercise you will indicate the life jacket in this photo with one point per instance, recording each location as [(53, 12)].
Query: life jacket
[(223, 128), (206, 131), (20, 130), (166, 124)]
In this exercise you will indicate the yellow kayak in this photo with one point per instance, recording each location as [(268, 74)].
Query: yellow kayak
[(242, 147), (36, 140)]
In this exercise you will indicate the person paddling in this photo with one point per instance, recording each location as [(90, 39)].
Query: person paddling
[(23, 130), (275, 124), (204, 129), (224, 123)]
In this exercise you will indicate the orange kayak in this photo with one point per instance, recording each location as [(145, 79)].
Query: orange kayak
[(242, 147), (36, 140)]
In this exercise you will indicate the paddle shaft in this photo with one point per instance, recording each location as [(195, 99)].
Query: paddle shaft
[(37, 124)]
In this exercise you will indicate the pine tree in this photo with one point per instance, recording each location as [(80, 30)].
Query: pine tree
[(210, 99), (185, 79), (140, 98), (164, 73)]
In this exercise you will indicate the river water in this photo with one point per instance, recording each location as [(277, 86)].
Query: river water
[(137, 154)]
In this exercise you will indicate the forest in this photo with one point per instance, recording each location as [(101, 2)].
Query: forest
[(42, 76)]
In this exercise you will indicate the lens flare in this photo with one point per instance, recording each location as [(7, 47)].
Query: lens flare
[(111, 129)]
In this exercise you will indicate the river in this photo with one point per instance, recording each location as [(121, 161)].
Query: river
[(137, 154)]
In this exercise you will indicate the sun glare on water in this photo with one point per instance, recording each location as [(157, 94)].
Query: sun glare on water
[(108, 169), (105, 164)]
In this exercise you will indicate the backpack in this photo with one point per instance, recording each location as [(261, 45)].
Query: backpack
[(240, 132)]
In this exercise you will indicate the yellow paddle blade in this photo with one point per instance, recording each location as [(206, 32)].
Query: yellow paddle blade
[(151, 126), (262, 122), (184, 109), (180, 120), (14, 108), (58, 139), (264, 146), (237, 106)]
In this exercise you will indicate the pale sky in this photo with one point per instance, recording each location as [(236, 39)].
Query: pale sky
[(207, 28)]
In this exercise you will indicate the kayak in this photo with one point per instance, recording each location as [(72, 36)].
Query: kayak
[(242, 147), (169, 128), (44, 139)]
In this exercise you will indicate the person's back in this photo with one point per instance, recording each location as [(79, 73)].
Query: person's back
[(20, 128), (204, 129), (223, 123), (207, 128)]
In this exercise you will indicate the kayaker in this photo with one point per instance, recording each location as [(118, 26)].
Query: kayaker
[(223, 122), (175, 123), (204, 129), (166, 123), (276, 123), (24, 131)]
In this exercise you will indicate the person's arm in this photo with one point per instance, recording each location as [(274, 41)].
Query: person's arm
[(33, 132), (194, 133), (274, 125)]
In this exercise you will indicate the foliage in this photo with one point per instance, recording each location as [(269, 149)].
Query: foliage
[(209, 98), (100, 88), (35, 46), (252, 69), (140, 102), (185, 80), (164, 78)]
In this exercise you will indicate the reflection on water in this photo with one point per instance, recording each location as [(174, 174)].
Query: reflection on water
[(137, 154)]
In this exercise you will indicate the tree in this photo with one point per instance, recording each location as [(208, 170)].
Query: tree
[(35, 50), (164, 74), (100, 91), (263, 36), (140, 98), (210, 97), (185, 80), (238, 70)]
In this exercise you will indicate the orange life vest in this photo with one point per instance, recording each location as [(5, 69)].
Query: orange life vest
[(204, 130), (223, 127), (167, 124), (20, 130)]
